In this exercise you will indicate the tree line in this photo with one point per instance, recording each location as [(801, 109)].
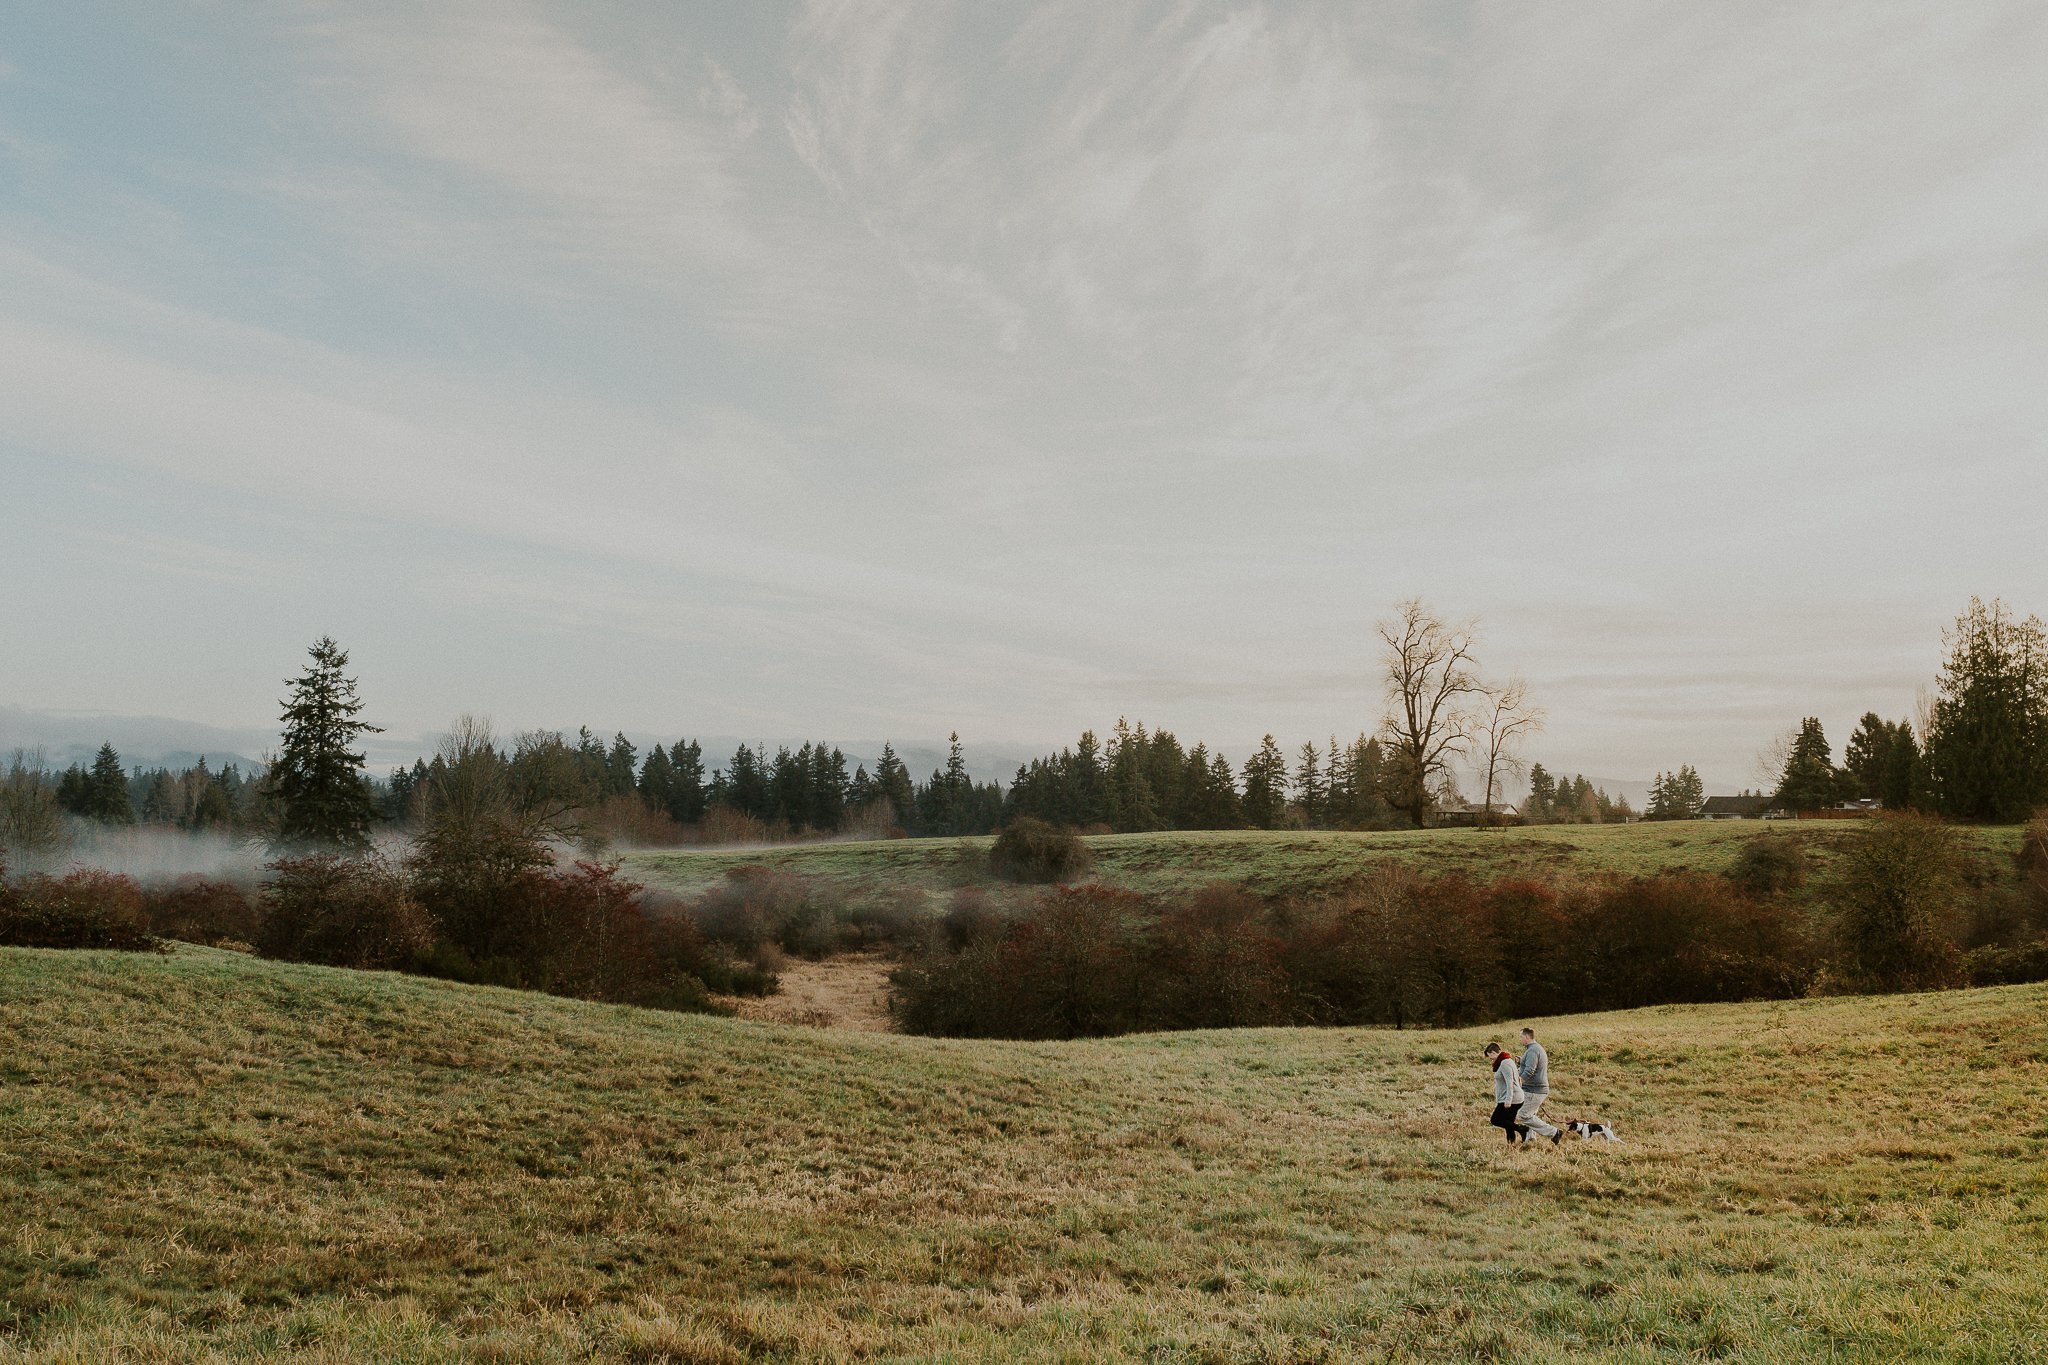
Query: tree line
[(1980, 752)]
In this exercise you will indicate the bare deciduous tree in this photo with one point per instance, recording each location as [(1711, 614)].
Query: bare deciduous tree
[(1507, 720), (30, 824), (1430, 678)]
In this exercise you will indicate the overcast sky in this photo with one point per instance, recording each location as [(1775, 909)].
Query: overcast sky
[(881, 369)]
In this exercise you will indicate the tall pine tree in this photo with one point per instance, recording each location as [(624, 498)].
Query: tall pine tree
[(1265, 786), (106, 798), (317, 787)]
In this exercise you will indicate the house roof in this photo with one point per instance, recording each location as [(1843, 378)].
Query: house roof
[(1736, 805)]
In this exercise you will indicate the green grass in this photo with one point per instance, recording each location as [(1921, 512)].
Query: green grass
[(1284, 862), (203, 1157)]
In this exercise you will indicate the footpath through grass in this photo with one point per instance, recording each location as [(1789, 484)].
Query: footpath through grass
[(204, 1156), (1299, 861)]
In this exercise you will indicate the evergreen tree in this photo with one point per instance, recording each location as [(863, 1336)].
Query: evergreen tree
[(1585, 802), (789, 787), (162, 805), (211, 809), (829, 787), (1227, 811), (1810, 781), (316, 783), (1987, 745), (1688, 794), (106, 790), (892, 780), (686, 795), (949, 804), (1310, 790), (1090, 783), (1541, 805), (620, 765), (590, 759), (745, 785), (657, 780), (1265, 786), (1356, 798), (74, 791), (1133, 808), (1867, 757), (1904, 783), (1166, 774)]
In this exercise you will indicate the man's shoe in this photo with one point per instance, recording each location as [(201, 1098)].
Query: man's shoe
[(1557, 1137)]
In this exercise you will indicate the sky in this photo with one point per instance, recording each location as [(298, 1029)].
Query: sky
[(885, 369)]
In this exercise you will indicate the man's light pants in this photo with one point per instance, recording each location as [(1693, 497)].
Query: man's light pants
[(1526, 1116)]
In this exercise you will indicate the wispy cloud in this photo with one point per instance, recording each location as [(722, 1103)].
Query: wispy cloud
[(1058, 359)]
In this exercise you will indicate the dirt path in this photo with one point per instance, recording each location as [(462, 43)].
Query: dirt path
[(849, 992)]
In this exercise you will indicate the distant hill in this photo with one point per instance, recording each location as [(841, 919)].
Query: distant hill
[(67, 737)]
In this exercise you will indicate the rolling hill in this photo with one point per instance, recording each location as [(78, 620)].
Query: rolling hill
[(1292, 861), (204, 1156)]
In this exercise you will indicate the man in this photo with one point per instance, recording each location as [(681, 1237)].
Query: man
[(1536, 1087)]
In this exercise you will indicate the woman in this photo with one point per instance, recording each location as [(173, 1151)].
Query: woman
[(1507, 1093)]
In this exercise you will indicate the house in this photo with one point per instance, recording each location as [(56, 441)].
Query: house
[(1464, 814), (1735, 807)]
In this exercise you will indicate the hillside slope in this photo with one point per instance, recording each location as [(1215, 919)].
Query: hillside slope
[(203, 1155), (1291, 861)]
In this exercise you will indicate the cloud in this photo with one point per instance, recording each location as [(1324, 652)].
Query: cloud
[(1033, 363)]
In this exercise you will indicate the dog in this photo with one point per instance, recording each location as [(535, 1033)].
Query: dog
[(1587, 1128)]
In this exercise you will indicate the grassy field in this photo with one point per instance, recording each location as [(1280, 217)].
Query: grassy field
[(1293, 861), (203, 1156)]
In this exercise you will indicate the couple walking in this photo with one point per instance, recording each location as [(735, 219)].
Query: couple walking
[(1520, 1088)]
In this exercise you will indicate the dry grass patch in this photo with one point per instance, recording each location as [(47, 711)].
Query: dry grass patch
[(208, 1157)]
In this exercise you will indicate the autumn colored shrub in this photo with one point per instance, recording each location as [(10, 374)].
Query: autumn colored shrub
[(202, 910), (1682, 939), (83, 909), (1219, 963), (342, 911)]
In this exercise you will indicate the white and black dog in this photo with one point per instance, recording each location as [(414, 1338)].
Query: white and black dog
[(1585, 1128)]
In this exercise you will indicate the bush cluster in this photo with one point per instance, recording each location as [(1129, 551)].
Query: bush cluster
[(342, 912), (761, 913), (1396, 949), (1030, 850), (83, 909)]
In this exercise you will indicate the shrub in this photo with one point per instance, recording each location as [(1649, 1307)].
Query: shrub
[(2033, 854), (1219, 963), (201, 910), (723, 825), (462, 873), (1074, 965), (1898, 891), (629, 820), (970, 917), (1030, 850), (1528, 926), (1995, 965), (1683, 939), (759, 906), (84, 909), (342, 912), (889, 917), (1769, 865)]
